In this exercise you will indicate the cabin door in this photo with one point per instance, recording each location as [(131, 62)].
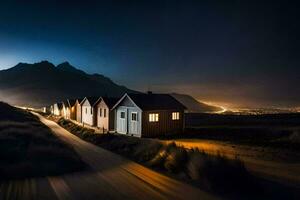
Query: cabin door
[(122, 121), (133, 123)]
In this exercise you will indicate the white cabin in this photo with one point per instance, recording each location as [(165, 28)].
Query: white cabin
[(52, 109), (149, 115), (66, 109), (88, 114), (105, 116), (57, 109), (78, 110), (128, 119)]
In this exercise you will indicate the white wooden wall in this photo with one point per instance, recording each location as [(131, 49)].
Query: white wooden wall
[(56, 110), (64, 112), (103, 122), (126, 125), (78, 113), (87, 115)]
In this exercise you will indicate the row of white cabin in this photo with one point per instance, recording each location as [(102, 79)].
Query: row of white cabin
[(141, 115)]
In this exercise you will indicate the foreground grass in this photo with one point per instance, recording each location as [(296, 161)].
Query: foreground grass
[(280, 131), (29, 149), (286, 139), (213, 173)]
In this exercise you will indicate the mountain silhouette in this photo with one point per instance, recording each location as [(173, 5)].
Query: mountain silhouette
[(194, 106), (41, 84)]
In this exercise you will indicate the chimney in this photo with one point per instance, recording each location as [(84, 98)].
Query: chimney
[(149, 92)]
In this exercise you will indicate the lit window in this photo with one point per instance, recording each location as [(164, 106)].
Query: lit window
[(123, 115), (175, 115), (104, 110), (133, 116), (153, 117)]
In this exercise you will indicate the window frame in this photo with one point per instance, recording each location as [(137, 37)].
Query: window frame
[(136, 116), (175, 116), (153, 117), (121, 114)]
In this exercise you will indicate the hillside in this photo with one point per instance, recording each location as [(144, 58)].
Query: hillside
[(28, 148), (43, 83), (194, 106)]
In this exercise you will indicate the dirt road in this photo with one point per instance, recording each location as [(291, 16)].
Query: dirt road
[(111, 177)]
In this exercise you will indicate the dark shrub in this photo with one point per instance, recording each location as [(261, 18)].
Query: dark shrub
[(218, 173), (159, 159), (176, 160), (146, 150)]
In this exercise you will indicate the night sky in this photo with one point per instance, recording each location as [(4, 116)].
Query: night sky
[(236, 53)]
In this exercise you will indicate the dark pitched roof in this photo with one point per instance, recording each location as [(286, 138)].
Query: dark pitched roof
[(92, 100), (110, 102), (156, 102), (59, 105), (72, 102), (79, 100), (66, 103)]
